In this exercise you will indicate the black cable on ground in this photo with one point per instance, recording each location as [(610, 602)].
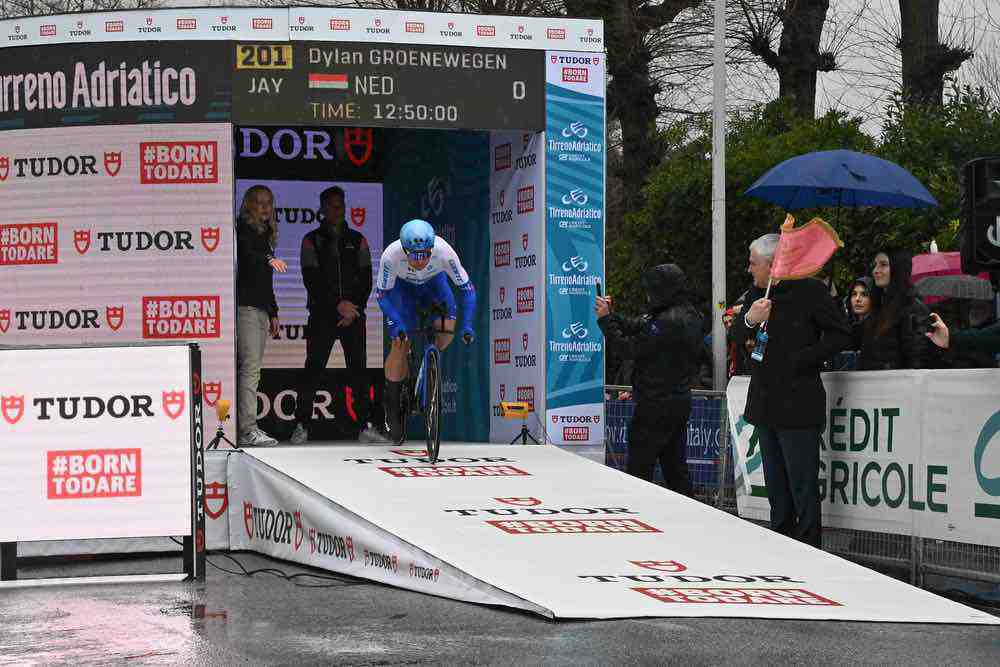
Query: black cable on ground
[(337, 580), (244, 572)]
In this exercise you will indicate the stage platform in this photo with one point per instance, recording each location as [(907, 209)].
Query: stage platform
[(546, 531)]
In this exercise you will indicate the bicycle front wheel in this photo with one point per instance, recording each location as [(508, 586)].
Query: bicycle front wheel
[(432, 408)]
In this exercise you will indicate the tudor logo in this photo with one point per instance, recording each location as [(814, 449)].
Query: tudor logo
[(660, 565), (555, 419), (300, 533), (81, 240), (451, 25), (212, 392), (4, 167), (358, 144), (4, 320), (216, 499), (210, 238), (520, 502), (248, 518), (358, 216), (503, 294), (173, 403), (302, 20), (503, 391), (524, 342), (112, 162), (115, 316), (524, 241), (12, 408)]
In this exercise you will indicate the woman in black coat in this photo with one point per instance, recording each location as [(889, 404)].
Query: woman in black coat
[(892, 337)]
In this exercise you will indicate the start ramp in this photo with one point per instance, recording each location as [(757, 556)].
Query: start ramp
[(546, 531)]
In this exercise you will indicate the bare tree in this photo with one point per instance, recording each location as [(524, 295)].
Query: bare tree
[(796, 39), (926, 59), (19, 8)]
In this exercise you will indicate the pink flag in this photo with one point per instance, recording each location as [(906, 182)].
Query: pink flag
[(802, 252)]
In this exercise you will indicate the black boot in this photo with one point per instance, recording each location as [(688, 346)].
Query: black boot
[(393, 418)]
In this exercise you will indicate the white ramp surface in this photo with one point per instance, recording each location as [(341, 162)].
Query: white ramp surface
[(544, 530)]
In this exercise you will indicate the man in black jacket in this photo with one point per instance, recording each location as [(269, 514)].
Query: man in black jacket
[(665, 344), (787, 400), (337, 272)]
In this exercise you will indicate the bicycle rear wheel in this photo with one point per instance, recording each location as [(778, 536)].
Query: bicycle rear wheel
[(432, 407)]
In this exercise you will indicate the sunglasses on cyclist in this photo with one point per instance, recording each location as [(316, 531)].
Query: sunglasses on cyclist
[(419, 255)]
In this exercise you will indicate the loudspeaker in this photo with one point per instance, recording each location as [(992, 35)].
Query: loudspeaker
[(980, 225)]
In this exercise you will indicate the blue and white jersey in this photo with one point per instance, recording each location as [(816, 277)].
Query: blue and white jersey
[(394, 266)]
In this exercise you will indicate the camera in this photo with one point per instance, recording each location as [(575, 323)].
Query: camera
[(921, 323)]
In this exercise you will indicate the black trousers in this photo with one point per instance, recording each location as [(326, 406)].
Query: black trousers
[(321, 334), (791, 471), (658, 432)]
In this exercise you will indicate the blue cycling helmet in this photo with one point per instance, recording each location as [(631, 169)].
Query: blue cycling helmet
[(417, 235)]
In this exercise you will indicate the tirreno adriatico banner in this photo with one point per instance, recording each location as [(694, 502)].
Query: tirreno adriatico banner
[(905, 452), (574, 202), (115, 83)]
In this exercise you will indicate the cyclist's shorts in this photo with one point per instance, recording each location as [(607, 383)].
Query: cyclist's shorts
[(408, 298)]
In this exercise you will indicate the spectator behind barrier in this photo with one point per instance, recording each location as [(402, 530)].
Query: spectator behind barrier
[(665, 345), (786, 400), (256, 307), (891, 336), (984, 340)]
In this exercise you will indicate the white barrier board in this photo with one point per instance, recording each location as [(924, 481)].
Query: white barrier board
[(904, 452), (569, 536), (96, 442)]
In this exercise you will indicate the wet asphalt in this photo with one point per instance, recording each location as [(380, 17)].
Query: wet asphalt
[(231, 619)]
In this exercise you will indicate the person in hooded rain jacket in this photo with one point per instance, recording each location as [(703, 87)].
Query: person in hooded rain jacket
[(665, 347)]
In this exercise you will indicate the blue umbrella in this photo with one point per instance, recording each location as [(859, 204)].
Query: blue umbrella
[(840, 178)]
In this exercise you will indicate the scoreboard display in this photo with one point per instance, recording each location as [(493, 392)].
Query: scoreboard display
[(384, 85)]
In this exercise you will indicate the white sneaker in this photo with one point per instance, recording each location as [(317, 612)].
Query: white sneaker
[(257, 438), (375, 435), (300, 435)]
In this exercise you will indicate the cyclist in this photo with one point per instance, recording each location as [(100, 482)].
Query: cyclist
[(411, 276)]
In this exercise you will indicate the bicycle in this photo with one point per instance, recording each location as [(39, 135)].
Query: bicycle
[(422, 393)]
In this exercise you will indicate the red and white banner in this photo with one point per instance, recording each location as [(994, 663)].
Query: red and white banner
[(558, 533), (120, 234), (90, 453), (517, 279), (307, 23), (216, 505), (270, 513)]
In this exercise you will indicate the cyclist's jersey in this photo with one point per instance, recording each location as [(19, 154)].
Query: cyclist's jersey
[(399, 286), (394, 266)]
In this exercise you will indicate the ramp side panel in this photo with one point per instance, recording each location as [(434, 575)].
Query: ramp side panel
[(272, 513), (586, 541)]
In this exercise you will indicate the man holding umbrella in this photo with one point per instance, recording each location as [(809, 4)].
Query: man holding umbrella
[(797, 327)]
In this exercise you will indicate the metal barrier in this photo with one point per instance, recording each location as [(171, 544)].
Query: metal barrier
[(709, 462), (710, 466)]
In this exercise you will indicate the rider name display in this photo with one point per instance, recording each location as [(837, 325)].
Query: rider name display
[(373, 85), (903, 452)]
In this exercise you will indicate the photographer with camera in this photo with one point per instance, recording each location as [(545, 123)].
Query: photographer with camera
[(891, 337)]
